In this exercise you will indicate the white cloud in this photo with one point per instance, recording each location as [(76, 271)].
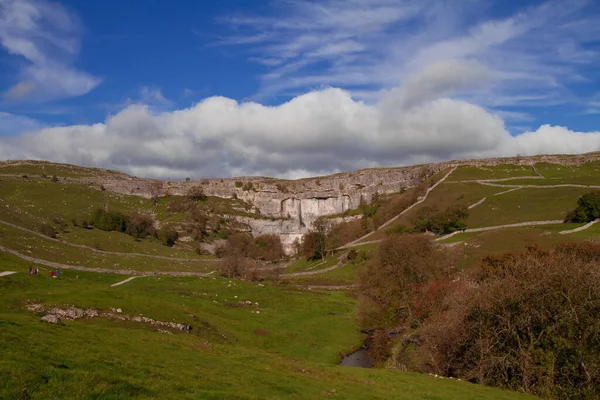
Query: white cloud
[(47, 36), (366, 46), (315, 133), (12, 124)]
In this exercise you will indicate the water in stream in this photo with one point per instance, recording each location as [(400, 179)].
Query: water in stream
[(360, 358)]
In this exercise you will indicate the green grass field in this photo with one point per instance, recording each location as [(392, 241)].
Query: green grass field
[(525, 205), (45, 249), (467, 173), (289, 350)]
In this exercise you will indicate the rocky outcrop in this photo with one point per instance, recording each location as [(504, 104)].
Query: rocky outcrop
[(289, 208), (55, 315)]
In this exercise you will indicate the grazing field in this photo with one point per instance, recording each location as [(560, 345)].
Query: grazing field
[(525, 205), (43, 248), (289, 349), (467, 173)]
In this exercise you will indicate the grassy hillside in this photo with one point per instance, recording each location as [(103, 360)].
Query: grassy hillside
[(289, 350)]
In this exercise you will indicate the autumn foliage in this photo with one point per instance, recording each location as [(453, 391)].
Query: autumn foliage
[(528, 321)]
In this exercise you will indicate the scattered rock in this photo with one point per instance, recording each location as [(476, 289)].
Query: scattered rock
[(55, 314), (52, 319)]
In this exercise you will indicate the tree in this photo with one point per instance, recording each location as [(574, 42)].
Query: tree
[(197, 194), (441, 222), (168, 236), (388, 284), (588, 208)]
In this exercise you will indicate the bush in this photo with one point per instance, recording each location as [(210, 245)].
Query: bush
[(388, 284), (136, 225), (48, 230), (139, 226), (168, 236), (588, 208), (267, 248), (445, 222), (528, 321), (107, 221), (381, 346), (197, 194), (314, 245)]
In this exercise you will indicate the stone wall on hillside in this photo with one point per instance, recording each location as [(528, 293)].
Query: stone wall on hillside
[(295, 205), (291, 207)]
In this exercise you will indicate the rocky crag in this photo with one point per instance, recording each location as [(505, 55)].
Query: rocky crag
[(290, 207)]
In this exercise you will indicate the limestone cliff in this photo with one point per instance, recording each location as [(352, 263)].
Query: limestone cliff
[(291, 207)]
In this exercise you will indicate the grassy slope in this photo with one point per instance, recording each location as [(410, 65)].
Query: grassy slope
[(31, 202), (223, 357), (40, 247), (494, 172), (525, 205), (586, 174)]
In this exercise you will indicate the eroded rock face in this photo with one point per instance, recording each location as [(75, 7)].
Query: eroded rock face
[(290, 208)]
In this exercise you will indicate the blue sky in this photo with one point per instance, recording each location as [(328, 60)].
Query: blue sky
[(221, 85)]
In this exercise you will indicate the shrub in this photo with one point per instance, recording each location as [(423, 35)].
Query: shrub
[(197, 194), (139, 226), (54, 178), (168, 236), (107, 221), (444, 222), (588, 208), (314, 245), (239, 184), (248, 186), (388, 284), (268, 248), (381, 346), (282, 188), (48, 230), (528, 321)]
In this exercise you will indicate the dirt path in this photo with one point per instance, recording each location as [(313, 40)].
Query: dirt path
[(125, 281), (339, 264), (476, 204), (506, 191), (356, 242), (489, 183), (100, 270), (497, 179), (581, 228), (82, 246), (535, 171), (491, 228), (6, 273)]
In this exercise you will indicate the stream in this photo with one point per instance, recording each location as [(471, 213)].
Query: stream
[(361, 357)]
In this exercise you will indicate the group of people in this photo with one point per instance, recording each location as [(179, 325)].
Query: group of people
[(55, 273)]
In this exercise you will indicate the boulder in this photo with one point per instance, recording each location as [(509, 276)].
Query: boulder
[(51, 319)]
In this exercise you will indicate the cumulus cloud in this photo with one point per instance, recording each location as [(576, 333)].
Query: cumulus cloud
[(46, 36), (319, 132)]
